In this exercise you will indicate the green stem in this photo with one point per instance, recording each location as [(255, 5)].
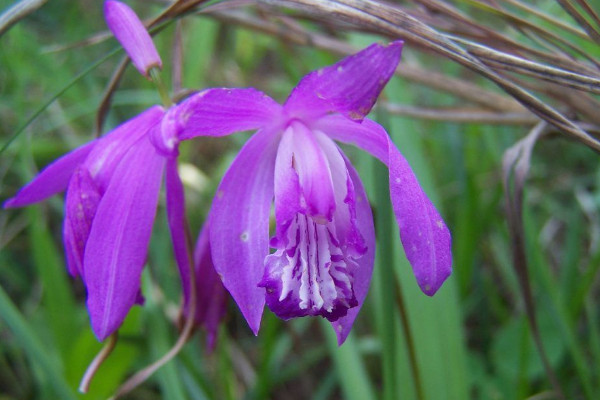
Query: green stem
[(410, 343), (160, 86), (385, 276), (90, 372)]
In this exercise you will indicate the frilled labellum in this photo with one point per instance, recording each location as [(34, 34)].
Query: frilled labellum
[(311, 275), (312, 271)]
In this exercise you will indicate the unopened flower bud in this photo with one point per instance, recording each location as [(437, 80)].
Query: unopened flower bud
[(133, 36)]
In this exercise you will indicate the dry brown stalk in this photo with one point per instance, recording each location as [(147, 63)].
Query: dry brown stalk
[(393, 22)]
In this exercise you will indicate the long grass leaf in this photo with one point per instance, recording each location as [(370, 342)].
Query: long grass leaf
[(25, 335)]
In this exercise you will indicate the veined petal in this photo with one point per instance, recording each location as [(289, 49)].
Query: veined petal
[(111, 148), (287, 186), (81, 204), (350, 86), (118, 242), (211, 302), (313, 172), (219, 112), (53, 179), (425, 237), (239, 233), (133, 36), (364, 270), (345, 216)]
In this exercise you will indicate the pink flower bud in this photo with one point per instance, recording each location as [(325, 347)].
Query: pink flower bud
[(133, 36)]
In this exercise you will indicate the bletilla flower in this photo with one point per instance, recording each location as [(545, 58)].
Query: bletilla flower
[(113, 186), (324, 238)]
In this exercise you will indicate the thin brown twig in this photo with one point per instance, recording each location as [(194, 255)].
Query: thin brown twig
[(548, 18), (530, 68), (395, 23), (462, 115), (414, 73), (187, 331), (515, 165), (581, 20), (91, 370), (177, 58), (108, 93)]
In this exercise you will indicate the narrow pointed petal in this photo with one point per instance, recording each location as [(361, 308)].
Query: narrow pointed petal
[(287, 186), (81, 204), (219, 112), (53, 179), (425, 237), (364, 271), (177, 225), (313, 172), (349, 87), (118, 242), (345, 216), (211, 302), (111, 148), (239, 235), (133, 36)]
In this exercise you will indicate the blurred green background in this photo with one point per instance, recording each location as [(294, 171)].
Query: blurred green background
[(471, 340)]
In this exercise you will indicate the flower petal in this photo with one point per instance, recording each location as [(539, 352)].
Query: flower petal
[(111, 148), (313, 172), (219, 112), (287, 187), (118, 243), (350, 86), (425, 237), (81, 204), (212, 296), (364, 271), (177, 225), (239, 233), (345, 215), (53, 179), (133, 36)]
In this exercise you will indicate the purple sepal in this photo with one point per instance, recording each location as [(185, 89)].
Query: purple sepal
[(221, 111), (81, 204), (118, 243), (425, 237), (239, 235), (350, 86), (52, 179), (211, 294)]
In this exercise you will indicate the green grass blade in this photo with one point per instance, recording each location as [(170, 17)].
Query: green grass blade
[(35, 350)]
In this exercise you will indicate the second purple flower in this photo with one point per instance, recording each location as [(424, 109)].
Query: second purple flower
[(324, 238)]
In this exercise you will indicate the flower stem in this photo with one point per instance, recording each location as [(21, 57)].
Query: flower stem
[(385, 277), (160, 86), (91, 370), (410, 343), (185, 335)]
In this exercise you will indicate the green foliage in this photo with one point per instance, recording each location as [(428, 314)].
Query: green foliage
[(471, 340)]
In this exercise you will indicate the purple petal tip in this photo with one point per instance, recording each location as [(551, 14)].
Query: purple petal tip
[(133, 36)]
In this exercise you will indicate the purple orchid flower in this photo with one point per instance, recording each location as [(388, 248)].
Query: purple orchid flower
[(324, 238), (113, 185)]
